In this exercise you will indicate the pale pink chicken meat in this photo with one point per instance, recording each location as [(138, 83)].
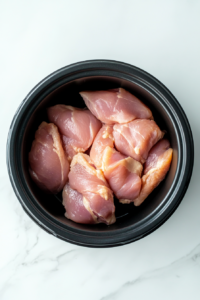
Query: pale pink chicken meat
[(77, 126), (136, 138), (91, 183), (76, 211), (123, 174), (155, 169), (48, 164), (115, 106), (103, 139)]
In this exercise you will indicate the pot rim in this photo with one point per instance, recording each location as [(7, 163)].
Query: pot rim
[(177, 190)]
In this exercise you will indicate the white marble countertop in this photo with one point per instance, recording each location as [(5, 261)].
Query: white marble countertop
[(38, 37)]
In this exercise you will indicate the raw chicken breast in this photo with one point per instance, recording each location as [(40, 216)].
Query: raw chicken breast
[(136, 138), (91, 183), (115, 106), (48, 163), (76, 211), (155, 169), (78, 127), (103, 139), (123, 174)]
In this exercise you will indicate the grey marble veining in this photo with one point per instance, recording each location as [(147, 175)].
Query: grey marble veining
[(183, 274), (38, 37)]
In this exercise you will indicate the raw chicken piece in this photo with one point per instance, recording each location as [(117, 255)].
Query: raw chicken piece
[(136, 138), (91, 183), (103, 139), (115, 106), (76, 211), (78, 127), (123, 174), (155, 169), (48, 163)]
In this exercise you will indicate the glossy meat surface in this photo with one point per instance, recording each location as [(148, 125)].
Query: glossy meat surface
[(76, 211), (123, 175), (155, 169), (115, 106), (103, 139), (136, 138), (91, 183), (77, 126), (48, 163)]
